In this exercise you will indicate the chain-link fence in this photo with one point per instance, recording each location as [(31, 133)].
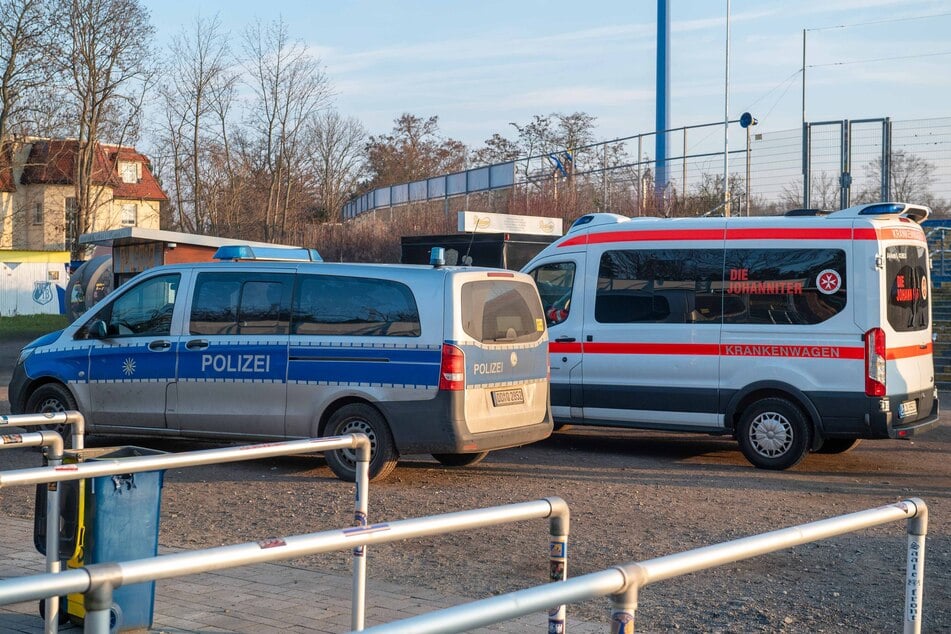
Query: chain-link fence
[(848, 162)]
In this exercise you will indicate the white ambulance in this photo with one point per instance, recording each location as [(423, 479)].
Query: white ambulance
[(793, 334)]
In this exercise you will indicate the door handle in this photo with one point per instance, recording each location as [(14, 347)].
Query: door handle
[(564, 339), (197, 344), (157, 346)]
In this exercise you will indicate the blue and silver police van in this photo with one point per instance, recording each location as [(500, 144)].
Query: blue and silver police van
[(451, 361)]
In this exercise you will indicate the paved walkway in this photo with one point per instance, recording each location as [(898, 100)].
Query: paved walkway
[(258, 599)]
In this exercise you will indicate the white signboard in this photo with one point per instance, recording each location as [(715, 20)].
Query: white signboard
[(483, 222)]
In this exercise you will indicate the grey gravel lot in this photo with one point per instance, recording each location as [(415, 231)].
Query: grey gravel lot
[(633, 496)]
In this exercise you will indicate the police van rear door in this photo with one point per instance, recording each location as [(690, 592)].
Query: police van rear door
[(501, 331)]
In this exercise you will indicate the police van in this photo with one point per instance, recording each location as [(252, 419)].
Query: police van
[(793, 334), (423, 359)]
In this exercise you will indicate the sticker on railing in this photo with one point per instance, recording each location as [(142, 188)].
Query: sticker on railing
[(363, 530), (274, 542)]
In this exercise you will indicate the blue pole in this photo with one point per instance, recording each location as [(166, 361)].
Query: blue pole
[(663, 101)]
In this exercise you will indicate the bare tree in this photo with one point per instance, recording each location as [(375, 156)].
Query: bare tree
[(200, 76), (336, 151), (24, 61), (910, 179), (289, 89), (105, 52), (414, 150), (497, 149)]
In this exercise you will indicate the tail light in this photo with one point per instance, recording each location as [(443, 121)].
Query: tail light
[(875, 362), (452, 368)]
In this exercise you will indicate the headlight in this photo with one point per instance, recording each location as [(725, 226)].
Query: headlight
[(24, 355)]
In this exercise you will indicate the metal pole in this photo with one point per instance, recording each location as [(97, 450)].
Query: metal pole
[(726, 121), (683, 184), (804, 77), (360, 511), (55, 458), (54, 442), (640, 181), (748, 170), (915, 571), (887, 160), (558, 563)]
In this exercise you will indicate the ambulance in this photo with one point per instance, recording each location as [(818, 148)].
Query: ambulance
[(259, 346), (793, 334)]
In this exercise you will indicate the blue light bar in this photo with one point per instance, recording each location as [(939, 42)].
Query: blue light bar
[(277, 254), (880, 209)]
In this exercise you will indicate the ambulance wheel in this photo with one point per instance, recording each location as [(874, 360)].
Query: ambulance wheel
[(773, 434), (53, 398), (460, 459), (364, 419), (63, 617), (838, 445)]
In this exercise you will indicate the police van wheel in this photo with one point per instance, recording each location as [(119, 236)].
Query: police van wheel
[(460, 459), (53, 398), (838, 445), (773, 434), (364, 419)]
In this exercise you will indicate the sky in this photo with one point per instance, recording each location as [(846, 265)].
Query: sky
[(482, 65)]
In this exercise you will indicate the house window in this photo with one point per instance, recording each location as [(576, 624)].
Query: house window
[(130, 172), (130, 214), (38, 214)]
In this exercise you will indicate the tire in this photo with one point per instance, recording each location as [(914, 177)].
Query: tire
[(460, 459), (362, 418), (838, 445), (53, 397), (773, 434)]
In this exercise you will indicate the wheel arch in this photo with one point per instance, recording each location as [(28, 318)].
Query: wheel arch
[(36, 384), (342, 402), (773, 389)]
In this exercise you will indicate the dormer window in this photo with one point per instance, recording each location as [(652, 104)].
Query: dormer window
[(130, 171)]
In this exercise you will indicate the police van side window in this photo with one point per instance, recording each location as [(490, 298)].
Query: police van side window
[(354, 306), (240, 304), (783, 286), (555, 282), (144, 310), (659, 286)]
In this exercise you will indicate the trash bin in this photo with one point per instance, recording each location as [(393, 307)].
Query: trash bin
[(118, 520)]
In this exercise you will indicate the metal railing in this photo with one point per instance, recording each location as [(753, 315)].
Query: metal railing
[(106, 467), (97, 581), (54, 442), (624, 582), (50, 419)]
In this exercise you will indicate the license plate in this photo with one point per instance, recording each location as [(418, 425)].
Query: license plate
[(508, 397), (908, 408)]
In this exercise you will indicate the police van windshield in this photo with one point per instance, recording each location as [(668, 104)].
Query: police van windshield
[(906, 278), (502, 312)]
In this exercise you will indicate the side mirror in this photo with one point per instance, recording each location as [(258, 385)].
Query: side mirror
[(97, 329)]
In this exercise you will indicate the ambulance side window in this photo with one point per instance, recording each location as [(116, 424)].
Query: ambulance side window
[(784, 286), (555, 282), (144, 310), (674, 286)]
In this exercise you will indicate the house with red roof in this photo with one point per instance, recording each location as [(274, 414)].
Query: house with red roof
[(38, 195)]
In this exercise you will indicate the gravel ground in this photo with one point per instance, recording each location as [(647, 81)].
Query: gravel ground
[(633, 496)]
